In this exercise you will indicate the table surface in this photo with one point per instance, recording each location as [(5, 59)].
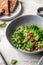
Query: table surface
[(29, 7)]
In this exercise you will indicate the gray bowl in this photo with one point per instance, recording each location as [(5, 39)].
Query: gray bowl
[(40, 61), (24, 20)]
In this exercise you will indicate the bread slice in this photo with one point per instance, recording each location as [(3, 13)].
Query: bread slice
[(4, 7), (13, 4)]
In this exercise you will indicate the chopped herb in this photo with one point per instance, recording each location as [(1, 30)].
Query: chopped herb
[(3, 25), (13, 61)]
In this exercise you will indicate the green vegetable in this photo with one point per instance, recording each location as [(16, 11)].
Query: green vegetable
[(30, 45), (19, 37), (40, 44), (13, 62), (3, 25), (25, 40), (33, 27), (21, 29), (36, 34)]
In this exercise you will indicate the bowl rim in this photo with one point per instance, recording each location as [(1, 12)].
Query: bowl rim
[(40, 60)]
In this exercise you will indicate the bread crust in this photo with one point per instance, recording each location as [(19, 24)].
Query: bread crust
[(13, 4), (4, 7), (7, 6)]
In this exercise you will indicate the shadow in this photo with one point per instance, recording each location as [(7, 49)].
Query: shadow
[(33, 56)]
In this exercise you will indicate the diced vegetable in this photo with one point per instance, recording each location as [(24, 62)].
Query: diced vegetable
[(30, 45), (13, 62), (3, 25), (27, 37), (40, 44)]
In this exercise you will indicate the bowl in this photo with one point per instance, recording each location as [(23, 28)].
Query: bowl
[(40, 61), (24, 20)]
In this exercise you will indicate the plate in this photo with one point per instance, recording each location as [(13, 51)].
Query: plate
[(14, 14)]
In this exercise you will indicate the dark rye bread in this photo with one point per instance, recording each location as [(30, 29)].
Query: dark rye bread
[(4, 7), (12, 5), (7, 6)]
